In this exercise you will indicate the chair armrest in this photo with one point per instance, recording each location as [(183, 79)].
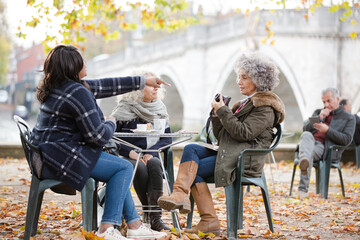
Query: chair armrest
[(337, 147), (253, 151), (247, 152)]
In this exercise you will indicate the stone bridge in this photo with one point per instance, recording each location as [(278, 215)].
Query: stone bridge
[(312, 54)]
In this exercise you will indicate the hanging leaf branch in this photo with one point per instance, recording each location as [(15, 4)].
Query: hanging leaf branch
[(74, 18)]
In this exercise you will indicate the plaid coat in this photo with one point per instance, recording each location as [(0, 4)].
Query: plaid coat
[(70, 129)]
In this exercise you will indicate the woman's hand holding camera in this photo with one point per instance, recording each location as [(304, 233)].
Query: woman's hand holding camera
[(217, 104)]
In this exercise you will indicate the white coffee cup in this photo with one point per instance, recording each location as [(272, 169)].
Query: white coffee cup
[(159, 125), (141, 127)]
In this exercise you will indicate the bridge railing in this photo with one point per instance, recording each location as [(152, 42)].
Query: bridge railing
[(286, 22)]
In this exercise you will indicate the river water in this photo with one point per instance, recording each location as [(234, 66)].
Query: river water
[(9, 132)]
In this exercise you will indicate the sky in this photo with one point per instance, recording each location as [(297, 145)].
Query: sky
[(18, 13)]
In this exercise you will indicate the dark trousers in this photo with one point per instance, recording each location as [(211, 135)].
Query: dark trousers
[(148, 177)]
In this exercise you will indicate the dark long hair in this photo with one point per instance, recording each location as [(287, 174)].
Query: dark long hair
[(62, 64)]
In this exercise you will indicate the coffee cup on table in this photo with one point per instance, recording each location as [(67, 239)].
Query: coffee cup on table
[(141, 127), (159, 125)]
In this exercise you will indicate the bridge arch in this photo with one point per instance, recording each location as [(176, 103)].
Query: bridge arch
[(174, 98)]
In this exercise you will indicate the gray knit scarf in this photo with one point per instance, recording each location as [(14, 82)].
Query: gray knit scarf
[(127, 110)]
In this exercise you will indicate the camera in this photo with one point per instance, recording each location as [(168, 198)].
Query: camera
[(226, 99)]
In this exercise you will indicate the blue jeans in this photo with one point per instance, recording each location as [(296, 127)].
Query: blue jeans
[(116, 172), (204, 157)]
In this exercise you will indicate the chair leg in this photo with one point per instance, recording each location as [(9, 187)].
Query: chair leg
[(89, 205), (241, 208), (326, 169), (265, 194), (357, 156), (37, 213), (341, 182), (292, 177), (32, 207), (322, 169), (101, 195), (231, 216), (190, 214), (317, 179)]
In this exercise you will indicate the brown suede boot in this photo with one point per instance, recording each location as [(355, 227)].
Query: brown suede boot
[(209, 221), (179, 199)]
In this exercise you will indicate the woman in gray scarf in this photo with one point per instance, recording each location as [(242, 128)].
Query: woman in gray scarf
[(142, 107)]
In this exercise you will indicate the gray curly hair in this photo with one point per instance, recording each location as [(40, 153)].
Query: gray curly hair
[(138, 95), (262, 71)]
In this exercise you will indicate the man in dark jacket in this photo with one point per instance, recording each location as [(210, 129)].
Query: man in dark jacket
[(347, 107), (336, 127)]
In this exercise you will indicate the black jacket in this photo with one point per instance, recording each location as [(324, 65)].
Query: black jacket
[(357, 130)]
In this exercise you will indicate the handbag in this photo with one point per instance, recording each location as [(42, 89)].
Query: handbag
[(112, 147)]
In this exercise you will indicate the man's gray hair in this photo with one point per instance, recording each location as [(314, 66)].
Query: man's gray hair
[(334, 92), (263, 72)]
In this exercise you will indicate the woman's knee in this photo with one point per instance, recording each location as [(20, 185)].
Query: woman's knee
[(128, 167), (154, 162), (190, 148), (189, 153), (141, 169)]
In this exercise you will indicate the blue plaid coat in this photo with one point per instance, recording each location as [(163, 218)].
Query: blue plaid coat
[(71, 130)]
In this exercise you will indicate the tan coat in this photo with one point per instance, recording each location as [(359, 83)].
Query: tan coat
[(251, 127)]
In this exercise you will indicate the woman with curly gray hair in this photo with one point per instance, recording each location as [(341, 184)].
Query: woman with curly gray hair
[(248, 124)]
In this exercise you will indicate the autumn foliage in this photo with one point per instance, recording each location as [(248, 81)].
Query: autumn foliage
[(110, 18), (311, 218)]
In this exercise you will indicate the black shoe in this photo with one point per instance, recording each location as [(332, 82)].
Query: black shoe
[(156, 223), (155, 217)]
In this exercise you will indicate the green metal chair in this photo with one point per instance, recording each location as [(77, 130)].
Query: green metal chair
[(357, 153), (38, 186), (322, 175), (234, 192)]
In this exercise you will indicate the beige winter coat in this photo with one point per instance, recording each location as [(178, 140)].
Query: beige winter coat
[(251, 127)]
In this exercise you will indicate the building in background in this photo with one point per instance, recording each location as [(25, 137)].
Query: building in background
[(25, 73)]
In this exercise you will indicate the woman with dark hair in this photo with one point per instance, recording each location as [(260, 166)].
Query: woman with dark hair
[(144, 107), (71, 131), (249, 124)]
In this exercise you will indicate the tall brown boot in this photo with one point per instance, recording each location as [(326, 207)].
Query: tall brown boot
[(209, 221), (179, 199)]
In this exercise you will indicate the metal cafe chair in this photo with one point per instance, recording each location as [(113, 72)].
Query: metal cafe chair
[(39, 185), (234, 192)]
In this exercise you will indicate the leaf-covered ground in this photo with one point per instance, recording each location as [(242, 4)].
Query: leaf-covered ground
[(310, 218)]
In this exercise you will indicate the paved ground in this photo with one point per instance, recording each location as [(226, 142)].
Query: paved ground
[(312, 218)]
